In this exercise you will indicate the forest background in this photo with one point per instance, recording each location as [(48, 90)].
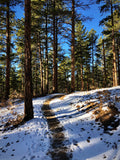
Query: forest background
[(65, 54)]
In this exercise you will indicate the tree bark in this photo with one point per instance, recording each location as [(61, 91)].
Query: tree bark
[(28, 108), (113, 50), (104, 60), (41, 68), (46, 50), (77, 79), (118, 57), (82, 82), (73, 49), (36, 81), (93, 82), (54, 52), (7, 91)]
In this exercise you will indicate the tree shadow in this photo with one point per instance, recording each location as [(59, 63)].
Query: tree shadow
[(59, 150), (65, 109)]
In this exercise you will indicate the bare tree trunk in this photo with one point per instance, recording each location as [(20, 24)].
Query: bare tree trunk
[(77, 79), (44, 78), (7, 91), (46, 50), (82, 82), (54, 52), (36, 82), (118, 57), (73, 49), (93, 82), (105, 76), (88, 71), (23, 78), (41, 68), (113, 49), (28, 108)]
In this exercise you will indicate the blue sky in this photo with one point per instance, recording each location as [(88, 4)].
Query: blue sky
[(92, 12)]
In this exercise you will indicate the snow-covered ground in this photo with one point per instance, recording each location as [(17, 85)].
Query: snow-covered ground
[(88, 139)]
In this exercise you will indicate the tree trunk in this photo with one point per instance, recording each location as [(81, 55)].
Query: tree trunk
[(54, 52), (113, 50), (73, 49), (46, 50), (118, 58), (82, 82), (7, 91), (36, 81), (28, 108), (41, 68), (23, 79), (105, 77), (88, 72), (77, 79), (93, 83)]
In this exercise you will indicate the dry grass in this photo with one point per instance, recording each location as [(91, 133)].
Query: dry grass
[(62, 97), (88, 107), (107, 116), (104, 110), (5, 103), (13, 123)]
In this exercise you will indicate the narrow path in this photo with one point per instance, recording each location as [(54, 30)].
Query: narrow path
[(59, 150)]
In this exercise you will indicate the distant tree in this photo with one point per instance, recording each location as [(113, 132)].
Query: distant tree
[(81, 51), (92, 43), (41, 63), (64, 74), (6, 7), (101, 51), (28, 108), (19, 42), (110, 6), (104, 60)]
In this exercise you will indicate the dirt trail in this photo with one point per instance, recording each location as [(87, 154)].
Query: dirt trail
[(59, 150)]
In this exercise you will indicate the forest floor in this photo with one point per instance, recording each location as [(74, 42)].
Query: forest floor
[(78, 126)]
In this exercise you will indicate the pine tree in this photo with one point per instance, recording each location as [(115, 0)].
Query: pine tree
[(6, 6), (73, 49), (80, 53), (28, 108), (92, 43), (110, 6)]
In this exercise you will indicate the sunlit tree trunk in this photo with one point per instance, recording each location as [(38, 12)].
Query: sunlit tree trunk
[(77, 79), (113, 50), (118, 58), (93, 82), (41, 68), (28, 108), (82, 82), (104, 60), (73, 49), (36, 81), (88, 82)]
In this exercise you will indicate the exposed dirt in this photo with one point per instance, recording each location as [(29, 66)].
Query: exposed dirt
[(104, 110), (108, 117), (59, 151)]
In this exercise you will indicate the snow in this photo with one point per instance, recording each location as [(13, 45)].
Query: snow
[(87, 138)]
